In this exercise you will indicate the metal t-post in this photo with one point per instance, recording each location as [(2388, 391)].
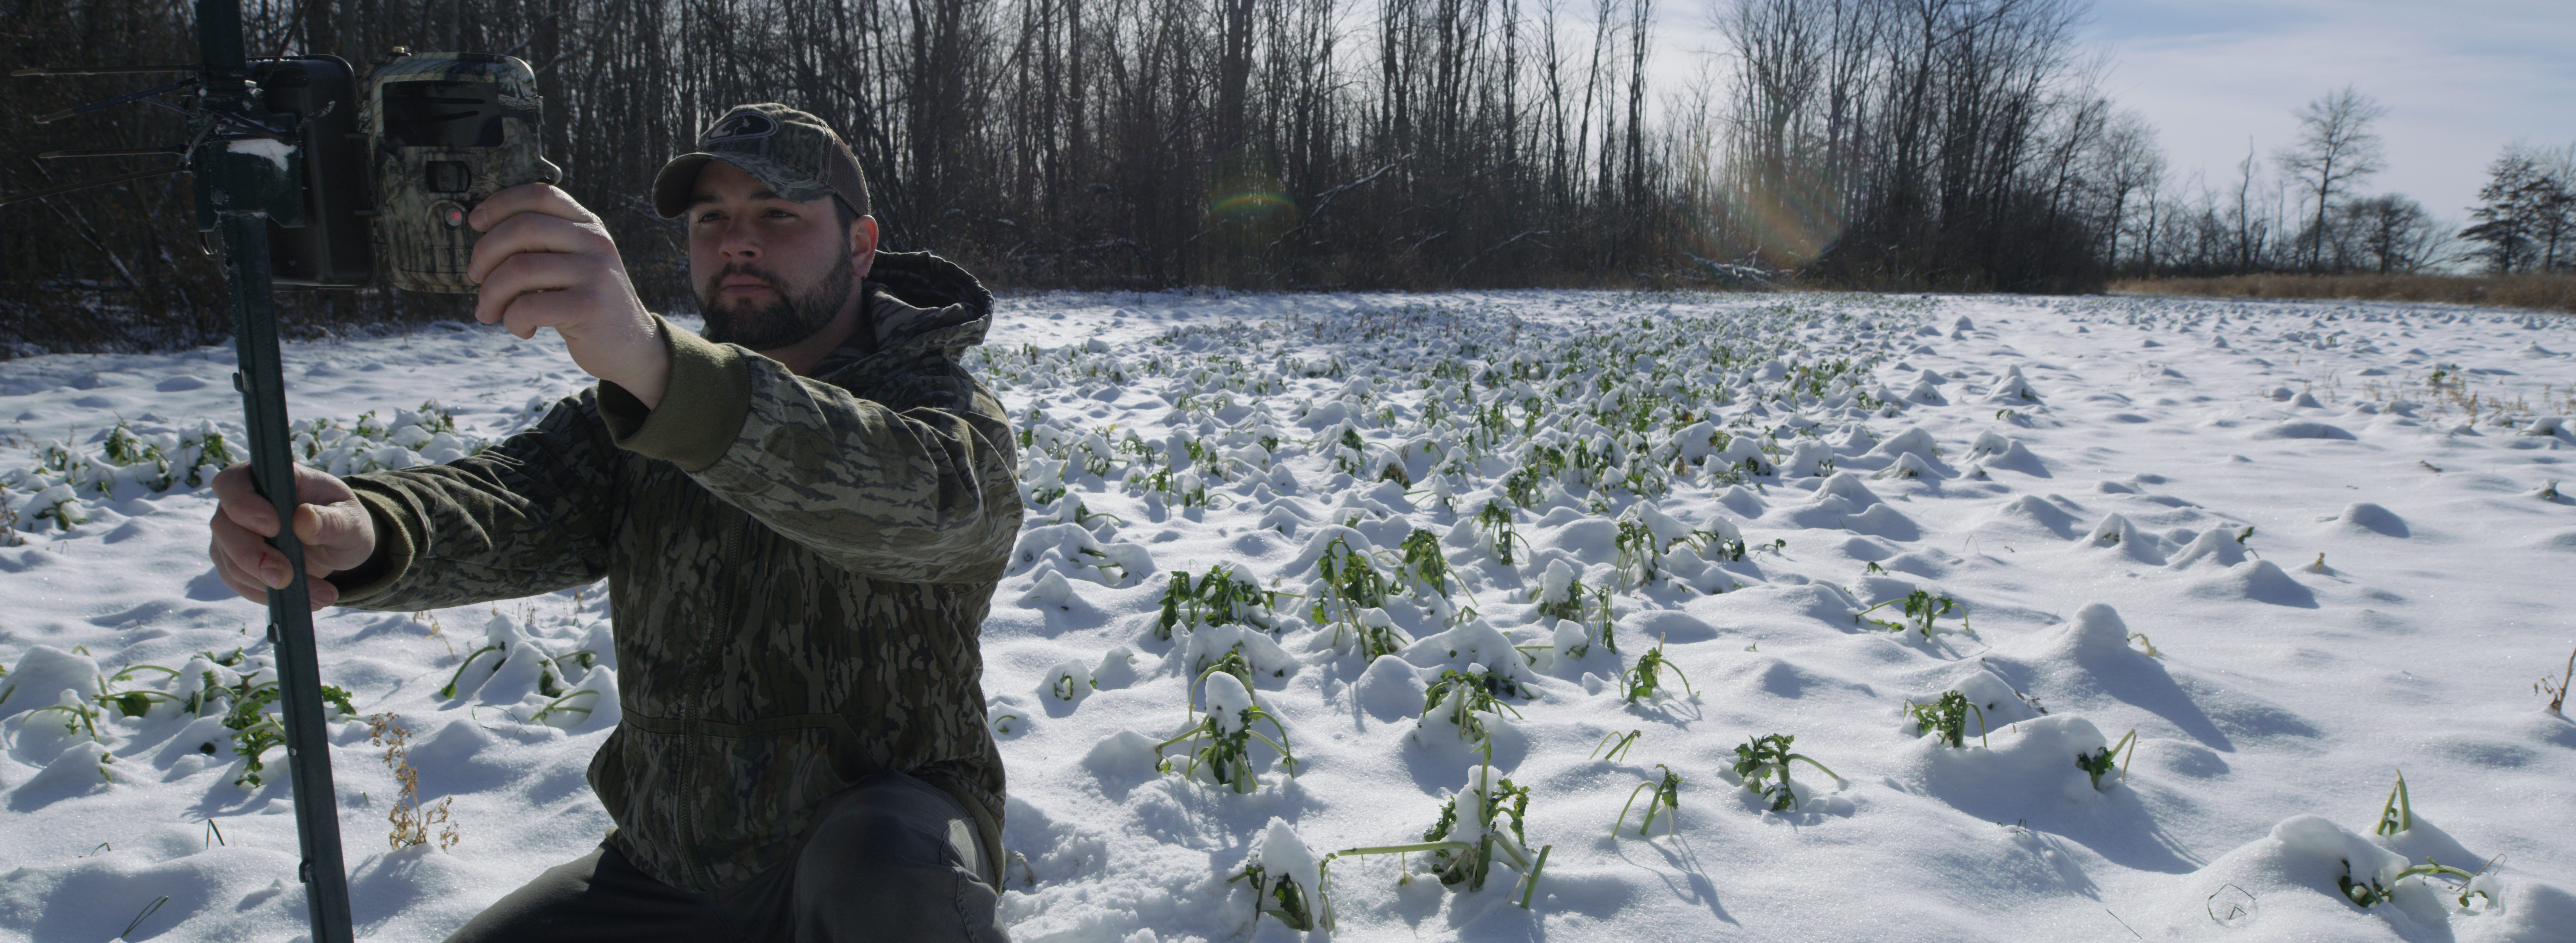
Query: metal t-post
[(262, 380)]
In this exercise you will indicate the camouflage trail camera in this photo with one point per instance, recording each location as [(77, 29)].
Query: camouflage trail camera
[(401, 155), (445, 130), (361, 180)]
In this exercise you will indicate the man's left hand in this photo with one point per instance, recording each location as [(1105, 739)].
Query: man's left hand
[(544, 261)]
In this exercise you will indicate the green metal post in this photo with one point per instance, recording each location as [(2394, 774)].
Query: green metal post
[(261, 377)]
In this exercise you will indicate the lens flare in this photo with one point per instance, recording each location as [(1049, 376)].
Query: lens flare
[(1249, 206), (1780, 214)]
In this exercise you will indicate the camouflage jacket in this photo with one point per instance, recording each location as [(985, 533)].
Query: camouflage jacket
[(798, 571)]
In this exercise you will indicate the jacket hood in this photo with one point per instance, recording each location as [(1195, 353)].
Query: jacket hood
[(919, 302)]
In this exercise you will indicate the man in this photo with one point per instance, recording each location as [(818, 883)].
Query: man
[(801, 518)]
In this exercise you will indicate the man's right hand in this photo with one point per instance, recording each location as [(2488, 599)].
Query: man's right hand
[(337, 532)]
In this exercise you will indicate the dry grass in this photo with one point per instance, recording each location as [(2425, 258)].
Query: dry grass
[(410, 822), (2538, 292)]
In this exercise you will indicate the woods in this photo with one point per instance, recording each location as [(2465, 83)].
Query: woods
[(1044, 143), (1290, 144)]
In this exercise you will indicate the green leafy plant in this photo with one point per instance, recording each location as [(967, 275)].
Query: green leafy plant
[(1637, 551), (1228, 735), (1466, 855), (550, 679), (1720, 550), (1281, 897), (1569, 608), (1352, 584), (1522, 486), (1495, 521), (1423, 561), (1464, 694), (2098, 762), (2399, 813), (562, 704), (1665, 794), (1617, 743), (2373, 893), (77, 718), (1763, 763), (138, 701), (1947, 718), (148, 910), (255, 729), (1224, 596), (1349, 452), (1232, 663), (1920, 607), (1064, 687), (1642, 680)]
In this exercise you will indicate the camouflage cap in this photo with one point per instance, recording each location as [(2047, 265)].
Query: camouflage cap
[(795, 153)]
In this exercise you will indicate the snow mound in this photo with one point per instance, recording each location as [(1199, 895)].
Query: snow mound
[(2301, 430), (2259, 581), (2365, 517)]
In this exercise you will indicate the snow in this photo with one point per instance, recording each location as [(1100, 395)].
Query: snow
[(278, 152), (2255, 534)]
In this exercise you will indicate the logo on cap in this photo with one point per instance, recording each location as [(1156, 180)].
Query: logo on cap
[(741, 126)]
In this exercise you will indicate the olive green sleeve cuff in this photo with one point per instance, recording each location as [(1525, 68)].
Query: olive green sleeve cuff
[(396, 545), (703, 404)]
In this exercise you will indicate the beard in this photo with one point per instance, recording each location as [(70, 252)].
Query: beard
[(795, 316)]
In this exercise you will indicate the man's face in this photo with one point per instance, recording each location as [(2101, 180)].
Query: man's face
[(770, 272)]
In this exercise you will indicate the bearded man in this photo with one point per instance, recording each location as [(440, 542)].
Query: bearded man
[(801, 517)]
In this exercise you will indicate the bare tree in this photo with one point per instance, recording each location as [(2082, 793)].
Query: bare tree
[(2127, 163), (2392, 233), (2335, 146), (2250, 232)]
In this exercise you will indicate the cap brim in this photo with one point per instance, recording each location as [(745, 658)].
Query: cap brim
[(677, 184)]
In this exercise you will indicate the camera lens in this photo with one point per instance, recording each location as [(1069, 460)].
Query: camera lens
[(449, 214), (448, 176)]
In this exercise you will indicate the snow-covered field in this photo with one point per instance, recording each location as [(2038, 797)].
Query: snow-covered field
[(2296, 548)]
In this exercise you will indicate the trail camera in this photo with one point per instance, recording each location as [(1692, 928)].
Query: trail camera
[(444, 130), (363, 180)]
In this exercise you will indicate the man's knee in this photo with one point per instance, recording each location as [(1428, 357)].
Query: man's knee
[(898, 857), (601, 897), (894, 819)]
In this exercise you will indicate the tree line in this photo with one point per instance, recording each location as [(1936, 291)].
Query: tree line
[(1276, 144), (2311, 215), (1093, 144)]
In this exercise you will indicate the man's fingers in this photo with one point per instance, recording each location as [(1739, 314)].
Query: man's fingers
[(320, 592), (558, 310), (530, 272), (315, 486), (241, 502), (248, 553), (535, 232), (250, 570), (527, 198), (244, 586), (336, 536)]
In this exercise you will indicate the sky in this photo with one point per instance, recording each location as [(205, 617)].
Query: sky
[(2460, 79)]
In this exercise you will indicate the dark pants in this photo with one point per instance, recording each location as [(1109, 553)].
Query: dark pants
[(892, 858)]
